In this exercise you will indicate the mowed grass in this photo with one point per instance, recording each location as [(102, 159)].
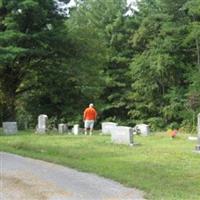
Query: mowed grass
[(163, 168)]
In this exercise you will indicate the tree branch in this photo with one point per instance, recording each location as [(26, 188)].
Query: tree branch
[(25, 89)]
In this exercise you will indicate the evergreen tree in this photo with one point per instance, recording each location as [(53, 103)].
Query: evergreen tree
[(30, 34), (158, 70), (102, 24)]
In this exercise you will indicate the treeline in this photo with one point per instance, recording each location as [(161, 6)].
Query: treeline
[(137, 65)]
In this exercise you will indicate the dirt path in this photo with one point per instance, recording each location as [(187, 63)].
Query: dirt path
[(27, 179), (24, 186)]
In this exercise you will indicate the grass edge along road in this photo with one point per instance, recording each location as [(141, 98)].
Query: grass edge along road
[(163, 168)]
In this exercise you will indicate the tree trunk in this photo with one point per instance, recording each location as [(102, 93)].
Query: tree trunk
[(198, 53), (10, 108), (9, 85)]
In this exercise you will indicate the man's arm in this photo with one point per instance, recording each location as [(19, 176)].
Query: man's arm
[(84, 114)]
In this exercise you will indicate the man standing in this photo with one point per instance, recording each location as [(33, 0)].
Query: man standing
[(89, 117)]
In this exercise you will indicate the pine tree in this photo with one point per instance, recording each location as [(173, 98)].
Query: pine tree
[(31, 34)]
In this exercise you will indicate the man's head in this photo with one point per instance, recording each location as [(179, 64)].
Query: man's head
[(91, 105)]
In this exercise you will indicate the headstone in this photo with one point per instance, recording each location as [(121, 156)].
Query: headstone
[(198, 131), (122, 135), (62, 128), (75, 129), (42, 124), (144, 129), (10, 128), (107, 126), (192, 138)]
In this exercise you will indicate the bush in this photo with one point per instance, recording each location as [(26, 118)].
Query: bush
[(156, 123)]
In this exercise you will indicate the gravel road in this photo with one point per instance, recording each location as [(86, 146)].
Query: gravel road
[(28, 179)]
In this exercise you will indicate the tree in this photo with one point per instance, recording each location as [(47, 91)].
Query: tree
[(97, 23), (117, 68), (31, 33), (159, 68), (192, 44)]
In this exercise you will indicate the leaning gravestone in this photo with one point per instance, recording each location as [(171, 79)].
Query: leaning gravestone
[(198, 131), (10, 128), (122, 135), (107, 126), (143, 128), (42, 124), (62, 128)]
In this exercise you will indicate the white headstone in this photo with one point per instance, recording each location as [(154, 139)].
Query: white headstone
[(42, 123), (107, 126), (198, 124), (198, 132), (122, 135), (62, 128), (10, 128), (144, 129), (76, 129), (192, 138)]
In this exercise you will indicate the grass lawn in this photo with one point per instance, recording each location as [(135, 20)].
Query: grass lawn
[(163, 168)]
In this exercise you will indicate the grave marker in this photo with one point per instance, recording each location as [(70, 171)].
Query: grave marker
[(75, 129), (107, 126), (122, 135), (42, 123), (198, 132), (62, 128), (10, 128), (144, 129)]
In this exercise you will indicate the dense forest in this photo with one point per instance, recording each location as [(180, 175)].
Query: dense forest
[(138, 64)]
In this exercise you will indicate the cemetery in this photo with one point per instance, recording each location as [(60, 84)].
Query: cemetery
[(107, 87), (111, 152)]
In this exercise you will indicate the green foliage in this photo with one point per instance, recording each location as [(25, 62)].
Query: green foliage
[(160, 67), (44, 66), (138, 68), (26, 46), (101, 24)]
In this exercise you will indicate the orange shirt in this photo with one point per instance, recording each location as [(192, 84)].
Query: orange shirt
[(90, 114)]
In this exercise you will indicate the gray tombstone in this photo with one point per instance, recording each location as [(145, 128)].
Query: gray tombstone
[(107, 126), (10, 128), (122, 135), (198, 131), (143, 128), (62, 128), (75, 129), (42, 123)]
